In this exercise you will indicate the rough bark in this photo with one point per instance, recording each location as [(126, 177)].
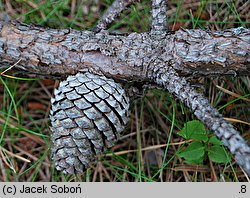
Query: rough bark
[(159, 16), (59, 53)]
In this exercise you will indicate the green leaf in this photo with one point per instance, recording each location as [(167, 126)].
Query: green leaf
[(194, 130), (214, 140), (218, 154), (193, 152), (197, 161)]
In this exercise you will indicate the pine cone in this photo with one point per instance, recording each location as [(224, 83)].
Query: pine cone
[(88, 114)]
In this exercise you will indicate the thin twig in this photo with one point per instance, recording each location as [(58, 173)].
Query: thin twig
[(112, 13)]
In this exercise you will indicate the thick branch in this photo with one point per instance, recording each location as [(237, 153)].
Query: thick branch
[(51, 52)]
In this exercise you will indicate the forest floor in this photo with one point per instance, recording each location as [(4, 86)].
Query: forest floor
[(152, 147)]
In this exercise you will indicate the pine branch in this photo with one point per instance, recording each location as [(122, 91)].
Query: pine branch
[(205, 112), (54, 53), (112, 13)]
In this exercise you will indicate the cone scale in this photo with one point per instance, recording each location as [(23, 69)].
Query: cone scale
[(88, 114)]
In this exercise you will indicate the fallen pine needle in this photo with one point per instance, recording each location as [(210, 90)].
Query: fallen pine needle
[(147, 148), (236, 120), (232, 93), (15, 155)]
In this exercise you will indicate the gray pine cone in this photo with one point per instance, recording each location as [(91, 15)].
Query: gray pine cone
[(88, 114)]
